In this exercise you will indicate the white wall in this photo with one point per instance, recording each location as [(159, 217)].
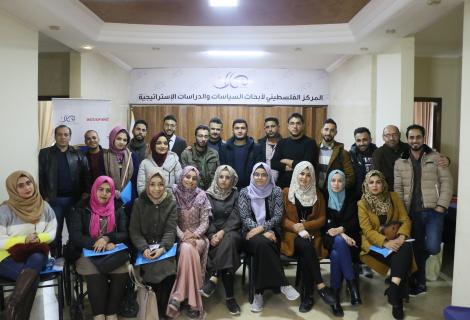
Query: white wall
[(18, 98), (101, 78), (351, 97), (461, 281)]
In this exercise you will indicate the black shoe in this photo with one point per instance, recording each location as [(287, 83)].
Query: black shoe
[(417, 290), (395, 299), (233, 306), (353, 289), (208, 288), (174, 304), (192, 313), (327, 295), (367, 271), (336, 308), (306, 303)]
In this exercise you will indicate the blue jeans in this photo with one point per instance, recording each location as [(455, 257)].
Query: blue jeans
[(341, 262), (61, 207), (427, 232), (11, 269)]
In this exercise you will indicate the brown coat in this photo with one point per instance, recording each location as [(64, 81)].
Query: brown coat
[(313, 225), (340, 160), (370, 226)]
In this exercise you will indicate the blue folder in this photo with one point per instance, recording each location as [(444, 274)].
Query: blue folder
[(141, 260), (383, 251), (92, 253), (126, 193)]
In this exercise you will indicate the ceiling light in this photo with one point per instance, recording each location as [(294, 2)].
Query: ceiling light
[(298, 49), (235, 53), (87, 47), (433, 2), (364, 49), (390, 31), (223, 3), (155, 48), (54, 28)]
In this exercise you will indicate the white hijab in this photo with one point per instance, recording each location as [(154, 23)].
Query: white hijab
[(307, 196)]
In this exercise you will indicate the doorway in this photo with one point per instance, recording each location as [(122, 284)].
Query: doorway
[(427, 112)]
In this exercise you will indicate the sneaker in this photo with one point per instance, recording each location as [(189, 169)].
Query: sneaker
[(208, 289), (233, 306), (290, 292), (417, 290), (174, 304), (257, 305), (367, 271), (192, 313)]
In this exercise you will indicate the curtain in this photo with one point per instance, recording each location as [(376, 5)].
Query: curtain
[(46, 137), (424, 116)]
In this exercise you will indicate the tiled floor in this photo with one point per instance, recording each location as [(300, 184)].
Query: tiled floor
[(374, 305)]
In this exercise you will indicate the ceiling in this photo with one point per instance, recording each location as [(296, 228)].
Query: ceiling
[(248, 12), (293, 33)]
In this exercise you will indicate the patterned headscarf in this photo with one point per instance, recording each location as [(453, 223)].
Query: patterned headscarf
[(336, 199), (101, 210), (380, 203), (29, 210), (112, 136), (307, 196), (188, 198), (217, 192)]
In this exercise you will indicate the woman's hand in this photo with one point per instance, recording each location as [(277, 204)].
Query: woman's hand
[(270, 235), (253, 232), (110, 246), (148, 254), (31, 238), (216, 238), (335, 231), (298, 227), (188, 235), (100, 245), (350, 241)]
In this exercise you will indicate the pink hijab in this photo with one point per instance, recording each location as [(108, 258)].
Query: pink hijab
[(112, 136), (100, 210), (188, 198)]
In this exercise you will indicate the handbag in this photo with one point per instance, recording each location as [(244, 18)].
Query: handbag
[(109, 262), (146, 299), (390, 230), (21, 251)]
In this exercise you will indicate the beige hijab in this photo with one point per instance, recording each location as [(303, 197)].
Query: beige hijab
[(29, 210), (307, 196), (217, 192), (380, 203), (156, 171)]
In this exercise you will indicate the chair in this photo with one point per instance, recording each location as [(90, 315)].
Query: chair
[(44, 277)]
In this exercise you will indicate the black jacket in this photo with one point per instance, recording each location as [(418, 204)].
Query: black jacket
[(360, 166), (79, 172), (79, 225), (226, 156), (262, 146), (179, 146)]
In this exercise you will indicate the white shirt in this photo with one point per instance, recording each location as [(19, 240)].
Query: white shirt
[(171, 142)]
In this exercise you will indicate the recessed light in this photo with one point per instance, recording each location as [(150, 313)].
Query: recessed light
[(223, 3), (155, 48), (433, 2), (298, 49), (390, 31), (235, 53), (87, 47), (364, 49), (54, 28)]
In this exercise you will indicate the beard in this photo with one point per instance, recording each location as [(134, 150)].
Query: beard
[(139, 137), (417, 148), (240, 138)]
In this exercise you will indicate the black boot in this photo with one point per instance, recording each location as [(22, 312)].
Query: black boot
[(327, 295), (19, 303), (306, 301), (395, 299), (353, 289), (336, 308)]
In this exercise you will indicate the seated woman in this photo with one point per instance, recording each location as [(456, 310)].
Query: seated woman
[(25, 218), (260, 205), (341, 238), (193, 220), (162, 158), (153, 232), (224, 235), (301, 223), (120, 163), (99, 223), (379, 210)]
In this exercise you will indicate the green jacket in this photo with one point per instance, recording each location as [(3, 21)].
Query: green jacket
[(206, 162)]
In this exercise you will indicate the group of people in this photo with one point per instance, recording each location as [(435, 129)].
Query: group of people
[(215, 199)]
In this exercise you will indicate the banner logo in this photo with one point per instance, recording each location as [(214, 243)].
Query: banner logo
[(232, 80)]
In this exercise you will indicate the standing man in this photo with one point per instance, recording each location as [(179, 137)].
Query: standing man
[(332, 156), (426, 190), (240, 152), (215, 130), (137, 144), (205, 159), (176, 144), (64, 177), (94, 155), (292, 150), (361, 157), (269, 142)]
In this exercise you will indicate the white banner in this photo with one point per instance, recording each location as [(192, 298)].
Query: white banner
[(82, 115), (229, 86)]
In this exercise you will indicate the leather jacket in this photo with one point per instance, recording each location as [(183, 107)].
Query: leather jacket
[(79, 172)]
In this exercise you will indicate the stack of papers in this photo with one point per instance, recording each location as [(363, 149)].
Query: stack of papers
[(170, 253)]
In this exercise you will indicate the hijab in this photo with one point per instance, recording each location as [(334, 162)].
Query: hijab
[(336, 199), (307, 196), (112, 137), (157, 157), (189, 198), (380, 203), (29, 210), (217, 192), (258, 194), (153, 172), (101, 210)]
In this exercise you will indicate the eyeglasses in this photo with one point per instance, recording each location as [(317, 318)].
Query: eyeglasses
[(258, 175), (390, 135)]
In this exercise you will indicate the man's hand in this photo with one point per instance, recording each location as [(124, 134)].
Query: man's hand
[(443, 161)]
